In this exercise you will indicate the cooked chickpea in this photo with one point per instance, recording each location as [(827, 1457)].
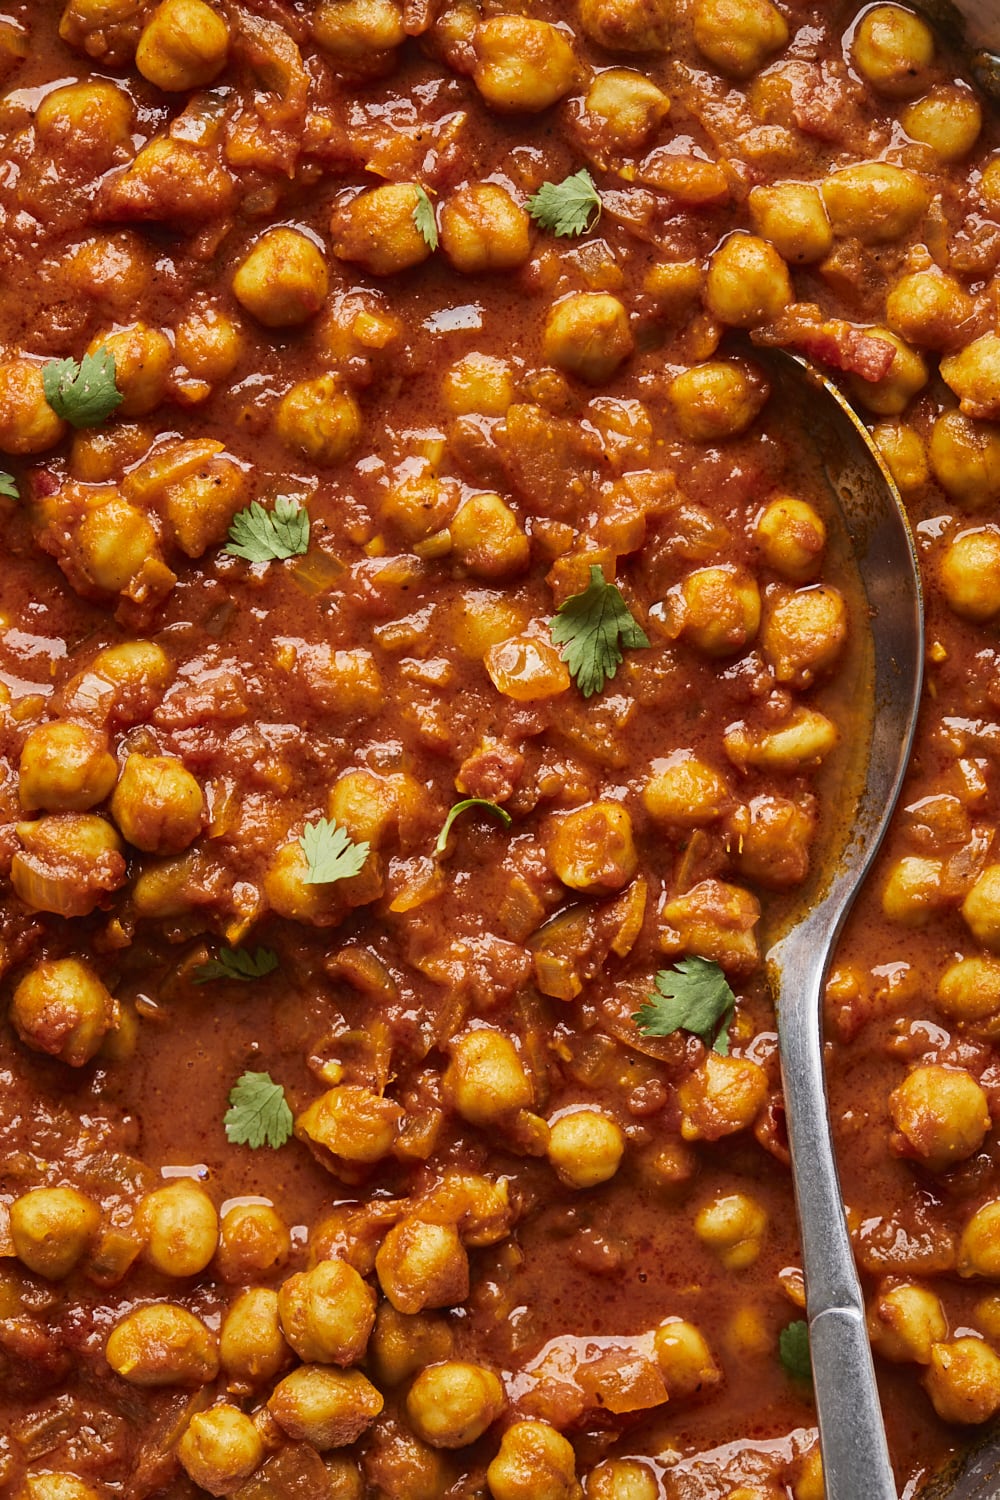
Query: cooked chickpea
[(324, 1407), (804, 632), (585, 1147), (421, 505), (208, 342), (793, 218), (421, 1265), (27, 422), (180, 1227), (283, 281), (904, 1321), (327, 1314), (941, 1116), (483, 229), (52, 1228), (747, 282), (622, 1479), (904, 453), (143, 357), (981, 907), (968, 992), (874, 201), (683, 791), (587, 334), (716, 400), (183, 46), (220, 1448), (893, 49), (521, 667), (320, 420), (113, 543), (684, 1358), (162, 1344), (592, 849), (253, 1241), (733, 1227), (61, 1007), (738, 36), (965, 459), (974, 375), (485, 1079), (478, 383), (351, 1122), (718, 609), (963, 1380), (53, 1486), (67, 863), (522, 64), (627, 25), (535, 1462), (377, 230), (355, 32), (450, 1405), (947, 120), (907, 375), (979, 1246), (970, 574), (792, 538), (928, 308), (722, 1096), (252, 1347), (65, 768), (911, 893), (200, 506), (625, 107), (91, 120), (157, 804), (487, 538), (404, 1343)]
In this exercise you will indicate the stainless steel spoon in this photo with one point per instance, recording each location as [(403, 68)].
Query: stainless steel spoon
[(855, 1455)]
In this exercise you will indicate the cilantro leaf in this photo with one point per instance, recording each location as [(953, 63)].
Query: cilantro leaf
[(793, 1348), (592, 627), (423, 218), (694, 996), (569, 207), (460, 807), (330, 853), (8, 486), (237, 963), (261, 535), (82, 394), (258, 1113)]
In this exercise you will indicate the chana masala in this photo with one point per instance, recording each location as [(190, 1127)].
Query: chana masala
[(432, 674)]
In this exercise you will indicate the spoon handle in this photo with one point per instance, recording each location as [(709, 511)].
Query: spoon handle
[(855, 1453)]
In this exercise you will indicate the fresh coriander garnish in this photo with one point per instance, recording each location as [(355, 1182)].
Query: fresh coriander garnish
[(258, 1113), (695, 996), (592, 627), (460, 807), (793, 1348), (569, 207), (8, 486), (423, 218), (82, 394), (237, 963), (330, 853), (261, 535)]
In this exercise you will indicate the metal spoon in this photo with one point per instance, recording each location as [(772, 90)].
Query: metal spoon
[(855, 1454)]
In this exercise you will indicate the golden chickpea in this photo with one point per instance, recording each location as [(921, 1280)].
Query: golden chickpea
[(113, 543), (804, 632), (114, 271), (627, 25), (793, 218), (738, 36), (624, 108), (592, 848), (903, 450), (252, 1347), (963, 1380), (162, 1344), (488, 539), (200, 506), (521, 667), (404, 1343), (981, 907), (450, 1405), (891, 394), (874, 201), (180, 1228), (220, 1448), (684, 1358), (157, 804), (941, 1116), (747, 282), (904, 1321), (535, 1462), (397, 1463), (968, 992), (91, 121), (622, 1479), (143, 357), (52, 1486), (522, 64), (928, 308), (27, 422), (356, 32), (892, 50), (722, 1096), (478, 383), (320, 420), (587, 334), (485, 1079), (974, 375), (683, 791), (253, 1241), (770, 838), (716, 400), (352, 1122), (585, 1147), (947, 120), (324, 1407), (792, 538), (483, 229), (65, 768), (733, 1226), (970, 573), (52, 1228), (808, 1483), (283, 281), (910, 896), (422, 1265), (183, 46), (62, 1008), (377, 230), (965, 459), (979, 1245), (67, 863), (207, 342), (718, 609), (327, 1314)]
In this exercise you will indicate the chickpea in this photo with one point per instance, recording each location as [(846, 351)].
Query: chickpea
[(143, 357), (592, 848), (162, 1344), (422, 1265), (747, 282), (327, 1314), (979, 1246), (67, 863), (928, 308), (717, 609), (522, 64), (157, 804), (770, 838), (487, 538), (734, 1227), (738, 36), (911, 893), (283, 281), (377, 230), (893, 49), (963, 1380), (183, 46), (208, 342), (804, 633), (113, 543), (404, 1343), (965, 459), (947, 120), (169, 181), (352, 1123), (793, 217), (520, 667), (483, 229), (970, 574), (973, 374), (874, 201), (51, 1486), (27, 422), (716, 400), (722, 1096), (324, 1407), (220, 1448), (684, 1358), (892, 394), (941, 1116), (904, 1321), (585, 1147), (180, 1228), (319, 420), (535, 1462), (354, 32), (89, 121), (421, 505), (683, 791), (478, 384), (397, 1463), (968, 992), (65, 768), (450, 1405), (253, 1241), (903, 450), (792, 538), (52, 1228), (981, 908), (62, 1008), (252, 1347), (200, 506), (627, 25), (485, 1080), (809, 1483), (368, 806), (625, 108), (621, 1479), (587, 334)]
